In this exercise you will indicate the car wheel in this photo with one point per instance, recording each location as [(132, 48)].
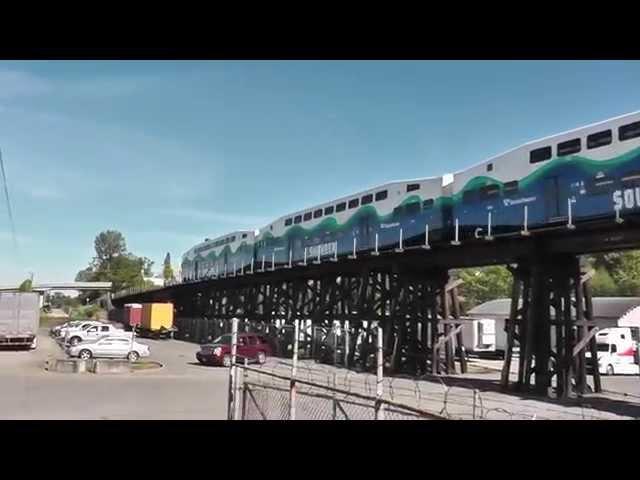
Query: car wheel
[(74, 341), (85, 354), (226, 360), (262, 358), (610, 370), (133, 356)]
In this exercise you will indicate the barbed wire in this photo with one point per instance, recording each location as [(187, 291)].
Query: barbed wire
[(342, 392)]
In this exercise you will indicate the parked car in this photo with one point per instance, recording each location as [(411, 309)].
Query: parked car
[(93, 332), (60, 329), (251, 346), (109, 347), (74, 326)]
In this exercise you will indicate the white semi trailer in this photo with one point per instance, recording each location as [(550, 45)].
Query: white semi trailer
[(19, 319)]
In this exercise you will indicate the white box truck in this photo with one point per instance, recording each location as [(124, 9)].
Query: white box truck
[(19, 319)]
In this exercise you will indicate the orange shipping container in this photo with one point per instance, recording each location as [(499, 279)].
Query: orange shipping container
[(157, 315)]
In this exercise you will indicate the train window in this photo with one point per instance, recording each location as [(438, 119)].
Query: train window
[(599, 139), (328, 210), (341, 207), (489, 167), (367, 199), (600, 185), (627, 132), (233, 239), (317, 213), (489, 191), (511, 187), (413, 186), (288, 222), (413, 208), (469, 196), (381, 195), (354, 203), (427, 204), (540, 155), (244, 235), (297, 219), (631, 179), (307, 216), (569, 147)]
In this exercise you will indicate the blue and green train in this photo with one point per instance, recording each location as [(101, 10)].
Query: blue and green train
[(586, 174)]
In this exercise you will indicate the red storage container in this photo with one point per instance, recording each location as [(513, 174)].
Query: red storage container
[(133, 314)]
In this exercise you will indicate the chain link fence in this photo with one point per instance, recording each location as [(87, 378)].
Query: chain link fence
[(295, 388), (265, 395)]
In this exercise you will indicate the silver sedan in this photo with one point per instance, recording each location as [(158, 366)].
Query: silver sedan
[(109, 347)]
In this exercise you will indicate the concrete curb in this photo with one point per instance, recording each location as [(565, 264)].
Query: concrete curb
[(96, 366)]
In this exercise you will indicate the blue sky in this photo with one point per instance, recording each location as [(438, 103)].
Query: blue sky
[(172, 152)]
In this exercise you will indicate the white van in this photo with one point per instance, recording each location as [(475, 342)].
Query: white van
[(617, 351)]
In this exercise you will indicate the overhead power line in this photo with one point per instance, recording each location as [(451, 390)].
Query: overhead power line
[(8, 201)]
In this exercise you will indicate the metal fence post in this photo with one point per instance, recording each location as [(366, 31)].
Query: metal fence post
[(232, 391), (244, 389), (335, 364), (236, 393), (379, 377), (346, 344), (294, 368)]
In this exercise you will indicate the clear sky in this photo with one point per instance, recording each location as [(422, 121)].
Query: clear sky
[(172, 152)]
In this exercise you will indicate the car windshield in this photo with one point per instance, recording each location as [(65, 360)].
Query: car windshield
[(224, 339), (603, 347)]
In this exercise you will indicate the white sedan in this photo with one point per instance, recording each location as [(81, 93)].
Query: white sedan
[(109, 347)]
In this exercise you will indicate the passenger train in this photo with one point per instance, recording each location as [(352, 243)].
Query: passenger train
[(590, 173)]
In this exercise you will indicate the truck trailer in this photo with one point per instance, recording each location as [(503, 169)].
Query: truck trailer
[(19, 319)]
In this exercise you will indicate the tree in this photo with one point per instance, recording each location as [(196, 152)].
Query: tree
[(484, 284), (112, 263), (108, 245), (26, 286), (146, 266), (167, 271), (626, 275), (85, 275), (602, 284), (124, 271), (617, 273)]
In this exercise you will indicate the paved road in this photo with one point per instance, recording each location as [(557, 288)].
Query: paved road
[(182, 390)]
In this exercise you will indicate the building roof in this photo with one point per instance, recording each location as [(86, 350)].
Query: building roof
[(631, 318), (604, 308)]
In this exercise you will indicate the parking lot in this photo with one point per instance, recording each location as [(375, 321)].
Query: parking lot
[(182, 389)]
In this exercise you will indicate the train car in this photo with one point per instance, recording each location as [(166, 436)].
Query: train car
[(381, 218), (590, 173), (224, 255)]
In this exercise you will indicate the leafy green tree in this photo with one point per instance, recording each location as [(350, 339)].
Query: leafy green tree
[(484, 284), (26, 286), (109, 245), (603, 285), (112, 263), (146, 266), (123, 271), (626, 274), (167, 271), (85, 275)]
